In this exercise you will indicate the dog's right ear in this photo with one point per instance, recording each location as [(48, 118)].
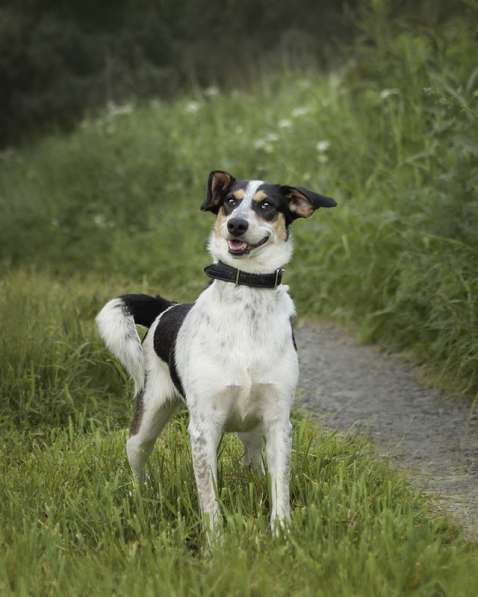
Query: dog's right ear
[(218, 184)]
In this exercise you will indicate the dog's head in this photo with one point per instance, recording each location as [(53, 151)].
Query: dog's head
[(253, 219)]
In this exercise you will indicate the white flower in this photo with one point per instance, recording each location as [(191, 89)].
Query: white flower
[(211, 91), (99, 220), (300, 111), (259, 143), (115, 110), (386, 93), (263, 144), (322, 146), (271, 137), (192, 107), (284, 123)]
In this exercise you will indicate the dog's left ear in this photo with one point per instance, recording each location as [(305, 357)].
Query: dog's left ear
[(218, 184), (303, 203)]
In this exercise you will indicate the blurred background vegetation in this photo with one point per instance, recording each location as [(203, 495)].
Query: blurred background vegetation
[(60, 59)]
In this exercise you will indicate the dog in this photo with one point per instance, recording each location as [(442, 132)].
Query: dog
[(230, 355)]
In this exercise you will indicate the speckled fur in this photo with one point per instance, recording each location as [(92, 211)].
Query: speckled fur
[(234, 353)]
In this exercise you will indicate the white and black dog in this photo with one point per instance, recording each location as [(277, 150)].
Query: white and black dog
[(230, 355)]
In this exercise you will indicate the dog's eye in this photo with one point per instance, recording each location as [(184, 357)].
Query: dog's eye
[(231, 201), (266, 205)]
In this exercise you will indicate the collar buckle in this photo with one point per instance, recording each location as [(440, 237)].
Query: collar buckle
[(238, 273), (279, 271)]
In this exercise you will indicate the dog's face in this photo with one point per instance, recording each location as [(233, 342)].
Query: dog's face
[(253, 219)]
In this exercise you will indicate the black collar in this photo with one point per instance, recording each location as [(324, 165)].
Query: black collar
[(226, 273)]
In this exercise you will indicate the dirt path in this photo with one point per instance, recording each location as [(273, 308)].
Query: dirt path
[(360, 388)]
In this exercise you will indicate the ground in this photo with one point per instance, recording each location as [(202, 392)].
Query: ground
[(361, 388)]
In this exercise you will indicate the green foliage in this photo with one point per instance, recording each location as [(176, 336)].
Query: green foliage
[(54, 371), (60, 60), (73, 523), (392, 137)]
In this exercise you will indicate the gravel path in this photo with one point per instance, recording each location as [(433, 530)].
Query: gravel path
[(360, 388)]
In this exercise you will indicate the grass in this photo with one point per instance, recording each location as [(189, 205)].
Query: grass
[(74, 524), (114, 207)]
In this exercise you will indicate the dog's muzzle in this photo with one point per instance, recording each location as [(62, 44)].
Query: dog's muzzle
[(240, 247)]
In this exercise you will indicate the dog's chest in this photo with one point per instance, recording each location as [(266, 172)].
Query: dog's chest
[(238, 341)]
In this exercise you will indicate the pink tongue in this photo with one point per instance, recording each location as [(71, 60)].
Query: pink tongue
[(237, 244)]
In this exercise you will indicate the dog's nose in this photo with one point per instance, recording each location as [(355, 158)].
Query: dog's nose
[(237, 226)]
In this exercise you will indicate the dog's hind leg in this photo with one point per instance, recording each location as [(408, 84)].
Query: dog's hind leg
[(155, 405), (252, 442)]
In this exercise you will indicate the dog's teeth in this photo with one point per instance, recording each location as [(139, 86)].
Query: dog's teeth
[(237, 244)]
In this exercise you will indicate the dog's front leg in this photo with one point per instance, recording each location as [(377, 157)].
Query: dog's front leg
[(204, 435), (278, 450)]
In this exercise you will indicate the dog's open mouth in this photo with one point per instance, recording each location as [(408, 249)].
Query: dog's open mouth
[(240, 247)]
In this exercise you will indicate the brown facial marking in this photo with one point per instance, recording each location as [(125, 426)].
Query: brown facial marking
[(280, 227), (259, 196), (300, 205), (239, 194), (221, 216)]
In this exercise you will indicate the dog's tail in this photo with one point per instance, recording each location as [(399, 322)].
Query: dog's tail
[(117, 322)]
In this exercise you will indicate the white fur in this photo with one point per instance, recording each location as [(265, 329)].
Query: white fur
[(251, 190), (118, 330)]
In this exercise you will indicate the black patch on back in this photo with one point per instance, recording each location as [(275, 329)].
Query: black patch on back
[(165, 336), (145, 308)]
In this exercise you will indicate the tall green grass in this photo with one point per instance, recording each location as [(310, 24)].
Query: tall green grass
[(53, 368), (393, 137), (73, 523)]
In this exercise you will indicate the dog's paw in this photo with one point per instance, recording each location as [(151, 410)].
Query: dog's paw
[(280, 526)]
